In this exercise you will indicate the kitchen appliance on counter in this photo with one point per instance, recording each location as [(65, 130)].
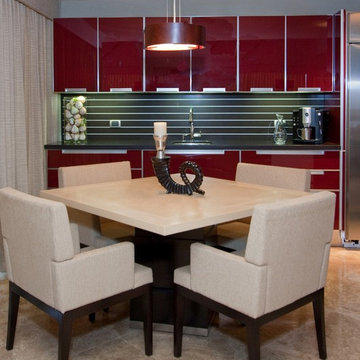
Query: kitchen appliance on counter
[(351, 236), (308, 125)]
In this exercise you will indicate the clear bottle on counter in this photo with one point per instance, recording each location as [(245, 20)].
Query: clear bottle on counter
[(280, 134)]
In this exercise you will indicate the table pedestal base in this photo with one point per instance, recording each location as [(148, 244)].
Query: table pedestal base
[(164, 254)]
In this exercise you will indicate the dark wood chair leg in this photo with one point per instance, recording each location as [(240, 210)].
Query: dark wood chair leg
[(12, 318), (148, 320), (253, 341), (92, 317), (65, 326), (319, 316), (178, 323)]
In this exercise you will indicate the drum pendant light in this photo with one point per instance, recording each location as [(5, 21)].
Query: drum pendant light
[(174, 36)]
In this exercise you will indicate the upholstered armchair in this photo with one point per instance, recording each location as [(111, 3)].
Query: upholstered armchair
[(95, 231), (284, 267), (233, 235), (45, 266)]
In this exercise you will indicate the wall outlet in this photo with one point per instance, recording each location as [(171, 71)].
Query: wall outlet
[(115, 123)]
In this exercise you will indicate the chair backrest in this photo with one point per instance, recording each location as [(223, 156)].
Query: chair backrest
[(94, 174), (35, 232), (292, 239), (283, 177)]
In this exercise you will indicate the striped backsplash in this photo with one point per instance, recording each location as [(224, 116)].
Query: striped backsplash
[(214, 114)]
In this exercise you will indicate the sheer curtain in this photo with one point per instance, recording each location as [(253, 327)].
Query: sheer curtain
[(25, 98), (25, 95)]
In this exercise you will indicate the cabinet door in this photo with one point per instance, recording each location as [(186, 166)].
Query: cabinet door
[(167, 69), (75, 54), (58, 158), (121, 53), (215, 66), (324, 166), (309, 52), (219, 164), (261, 52)]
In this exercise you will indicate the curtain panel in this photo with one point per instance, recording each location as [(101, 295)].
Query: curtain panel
[(25, 95)]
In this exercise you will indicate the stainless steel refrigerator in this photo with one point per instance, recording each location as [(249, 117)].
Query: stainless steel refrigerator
[(352, 209)]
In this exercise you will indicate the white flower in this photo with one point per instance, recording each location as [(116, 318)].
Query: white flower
[(75, 129), (74, 110)]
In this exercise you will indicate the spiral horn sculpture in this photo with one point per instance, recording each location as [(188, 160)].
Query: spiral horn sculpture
[(161, 169)]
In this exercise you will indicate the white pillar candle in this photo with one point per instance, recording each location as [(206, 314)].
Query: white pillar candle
[(160, 128)]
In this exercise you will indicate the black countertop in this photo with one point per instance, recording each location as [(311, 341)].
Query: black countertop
[(217, 143)]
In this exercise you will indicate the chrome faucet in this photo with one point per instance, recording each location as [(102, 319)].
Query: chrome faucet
[(192, 134), (191, 121)]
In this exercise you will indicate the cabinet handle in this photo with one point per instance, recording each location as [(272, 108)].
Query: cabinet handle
[(317, 172), (89, 151), (196, 152), (75, 90), (290, 152)]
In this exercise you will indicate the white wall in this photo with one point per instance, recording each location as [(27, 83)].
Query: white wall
[(127, 8), (49, 8)]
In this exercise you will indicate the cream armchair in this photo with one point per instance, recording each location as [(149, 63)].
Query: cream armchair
[(284, 267), (233, 235), (95, 231), (45, 266)]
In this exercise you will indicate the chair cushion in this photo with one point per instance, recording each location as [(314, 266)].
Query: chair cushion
[(182, 276), (143, 275)]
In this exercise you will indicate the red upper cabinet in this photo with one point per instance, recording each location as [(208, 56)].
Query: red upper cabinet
[(75, 53), (261, 52), (121, 53), (309, 52), (215, 66), (167, 69)]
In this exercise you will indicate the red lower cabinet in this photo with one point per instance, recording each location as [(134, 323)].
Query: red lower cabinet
[(324, 166), (219, 164), (58, 158)]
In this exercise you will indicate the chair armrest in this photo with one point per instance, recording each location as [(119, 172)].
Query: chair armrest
[(74, 228), (228, 279), (93, 275)]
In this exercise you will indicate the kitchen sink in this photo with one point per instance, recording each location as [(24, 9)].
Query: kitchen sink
[(192, 142)]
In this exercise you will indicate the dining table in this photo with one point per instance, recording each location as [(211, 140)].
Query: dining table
[(166, 225)]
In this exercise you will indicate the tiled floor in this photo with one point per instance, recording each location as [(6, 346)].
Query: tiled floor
[(290, 337)]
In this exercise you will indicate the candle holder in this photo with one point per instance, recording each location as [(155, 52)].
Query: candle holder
[(161, 163)]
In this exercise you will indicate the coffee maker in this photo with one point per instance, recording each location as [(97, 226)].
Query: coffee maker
[(308, 125)]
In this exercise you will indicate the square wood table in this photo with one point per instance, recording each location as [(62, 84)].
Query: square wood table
[(167, 224)]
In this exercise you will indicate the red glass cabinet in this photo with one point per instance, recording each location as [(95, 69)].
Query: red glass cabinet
[(167, 69), (56, 159), (221, 164), (121, 53), (309, 52), (75, 54), (324, 166), (261, 52), (215, 66)]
